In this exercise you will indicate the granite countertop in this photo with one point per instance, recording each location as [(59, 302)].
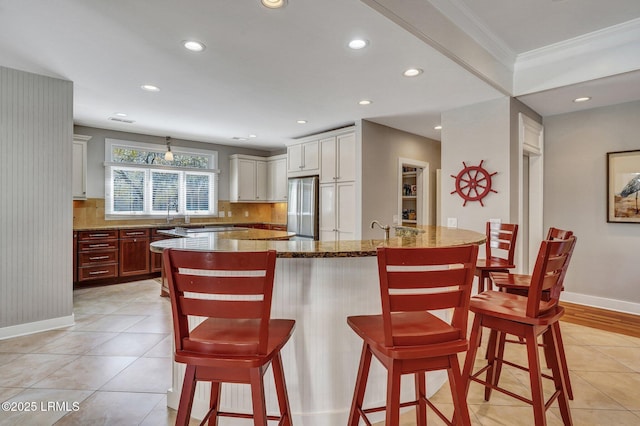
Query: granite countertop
[(168, 226), (434, 236), (231, 233)]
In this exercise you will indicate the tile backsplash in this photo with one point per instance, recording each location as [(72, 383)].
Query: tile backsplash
[(90, 213)]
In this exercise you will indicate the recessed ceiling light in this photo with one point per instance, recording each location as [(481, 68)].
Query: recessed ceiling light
[(583, 99), (150, 88), (273, 4), (358, 44), (438, 127), (194, 46), (365, 102), (412, 72), (301, 121), (253, 136), (120, 114)]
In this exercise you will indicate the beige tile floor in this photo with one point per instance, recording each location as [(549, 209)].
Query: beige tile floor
[(115, 364)]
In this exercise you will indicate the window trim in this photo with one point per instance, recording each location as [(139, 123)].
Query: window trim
[(148, 213)]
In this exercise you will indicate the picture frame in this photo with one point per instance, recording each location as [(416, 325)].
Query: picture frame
[(623, 187)]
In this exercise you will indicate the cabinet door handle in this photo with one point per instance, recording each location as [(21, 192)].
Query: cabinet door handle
[(98, 245), (134, 233), (98, 257), (98, 235), (98, 272)]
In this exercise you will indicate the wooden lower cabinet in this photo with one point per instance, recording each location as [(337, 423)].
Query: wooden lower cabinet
[(75, 256), (134, 252), (97, 255), (156, 258)]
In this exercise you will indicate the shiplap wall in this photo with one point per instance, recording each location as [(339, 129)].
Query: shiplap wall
[(36, 210)]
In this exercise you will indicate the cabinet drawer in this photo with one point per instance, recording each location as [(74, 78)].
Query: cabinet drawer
[(97, 235), (134, 233), (97, 272), (97, 257), (98, 245)]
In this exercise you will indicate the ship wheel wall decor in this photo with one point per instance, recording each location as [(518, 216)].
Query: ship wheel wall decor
[(473, 183)]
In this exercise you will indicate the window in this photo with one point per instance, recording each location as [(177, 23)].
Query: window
[(139, 182)]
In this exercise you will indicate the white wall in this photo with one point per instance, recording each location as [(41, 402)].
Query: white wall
[(472, 134), (36, 133), (604, 270)]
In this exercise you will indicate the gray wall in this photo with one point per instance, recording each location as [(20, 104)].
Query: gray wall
[(36, 133), (381, 148), (95, 156), (604, 269), (471, 134)]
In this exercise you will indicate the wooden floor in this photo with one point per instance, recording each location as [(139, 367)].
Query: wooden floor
[(602, 319)]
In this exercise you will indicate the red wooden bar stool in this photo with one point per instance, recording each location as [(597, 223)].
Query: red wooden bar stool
[(501, 237), (237, 341), (528, 318), (519, 284), (407, 338)]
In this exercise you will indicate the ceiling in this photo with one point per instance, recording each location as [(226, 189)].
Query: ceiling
[(262, 70)]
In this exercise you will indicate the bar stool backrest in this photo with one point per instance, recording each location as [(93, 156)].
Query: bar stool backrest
[(233, 287), (558, 234), (501, 237), (548, 275), (425, 279)]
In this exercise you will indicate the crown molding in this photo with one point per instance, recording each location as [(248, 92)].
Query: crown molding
[(460, 14), (606, 38)]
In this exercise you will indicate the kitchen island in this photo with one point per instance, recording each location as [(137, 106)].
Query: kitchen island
[(318, 284)]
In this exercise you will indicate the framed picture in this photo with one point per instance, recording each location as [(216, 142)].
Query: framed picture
[(623, 186)]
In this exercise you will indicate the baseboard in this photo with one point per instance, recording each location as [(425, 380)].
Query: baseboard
[(36, 327), (601, 302)]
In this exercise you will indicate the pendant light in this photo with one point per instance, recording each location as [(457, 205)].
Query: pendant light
[(168, 156)]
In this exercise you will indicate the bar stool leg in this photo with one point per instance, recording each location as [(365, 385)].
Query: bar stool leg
[(502, 338), (361, 385), (535, 377), (257, 397), (421, 396), (492, 350), (559, 374), (214, 403), (456, 382), (563, 359), (393, 394), (281, 390), (474, 342), (186, 398)]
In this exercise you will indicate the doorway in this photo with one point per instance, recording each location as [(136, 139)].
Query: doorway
[(530, 208)]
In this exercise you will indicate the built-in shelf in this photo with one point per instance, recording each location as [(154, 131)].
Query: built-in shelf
[(412, 192)]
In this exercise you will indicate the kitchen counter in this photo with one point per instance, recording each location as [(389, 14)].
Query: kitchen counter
[(433, 236), (318, 284), (225, 234), (170, 225)]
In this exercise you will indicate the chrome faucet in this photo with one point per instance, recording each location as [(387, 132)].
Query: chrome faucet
[(385, 228), (170, 205)]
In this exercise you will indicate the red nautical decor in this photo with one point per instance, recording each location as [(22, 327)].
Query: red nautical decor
[(473, 183)]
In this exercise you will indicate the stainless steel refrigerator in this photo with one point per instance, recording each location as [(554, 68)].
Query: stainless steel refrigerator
[(302, 208)]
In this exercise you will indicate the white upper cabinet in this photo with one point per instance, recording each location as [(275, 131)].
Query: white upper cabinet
[(338, 158), (277, 189), (303, 159), (257, 179), (79, 184), (248, 179)]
